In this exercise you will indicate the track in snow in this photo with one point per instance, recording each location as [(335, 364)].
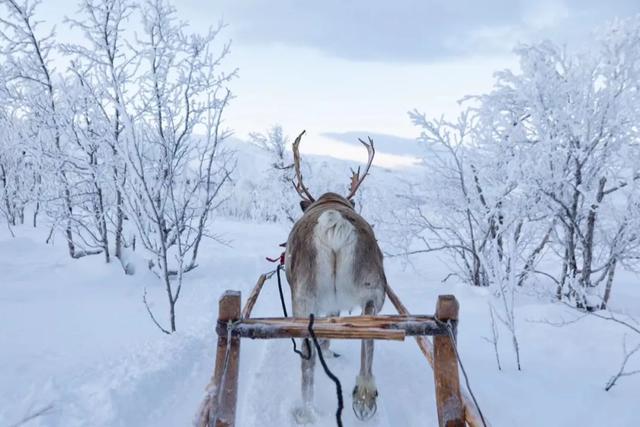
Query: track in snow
[(270, 388)]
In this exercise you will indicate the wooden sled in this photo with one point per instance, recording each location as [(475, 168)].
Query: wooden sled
[(455, 408)]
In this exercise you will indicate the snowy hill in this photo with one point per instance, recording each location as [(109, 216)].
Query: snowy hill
[(390, 144)]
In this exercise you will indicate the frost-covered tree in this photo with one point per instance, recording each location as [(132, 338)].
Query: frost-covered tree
[(104, 67), (128, 131), (577, 116), (16, 169), (445, 212), (28, 71), (87, 168), (545, 165), (472, 207), (280, 174), (550, 154), (176, 174)]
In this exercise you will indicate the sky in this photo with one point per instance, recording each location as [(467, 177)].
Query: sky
[(346, 67)]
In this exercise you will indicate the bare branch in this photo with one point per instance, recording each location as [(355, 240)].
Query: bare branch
[(45, 410), (621, 372), (144, 299)]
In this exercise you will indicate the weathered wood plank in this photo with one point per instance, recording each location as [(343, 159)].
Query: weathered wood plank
[(230, 312), (219, 407), (382, 321), (445, 368), (471, 414), (356, 327), (268, 330)]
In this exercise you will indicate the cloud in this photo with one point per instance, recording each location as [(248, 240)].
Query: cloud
[(546, 14), (390, 144), (413, 30)]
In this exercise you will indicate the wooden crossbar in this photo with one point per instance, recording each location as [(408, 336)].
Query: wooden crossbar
[(268, 330), (356, 327)]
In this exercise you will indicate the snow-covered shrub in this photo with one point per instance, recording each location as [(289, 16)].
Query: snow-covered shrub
[(547, 160)]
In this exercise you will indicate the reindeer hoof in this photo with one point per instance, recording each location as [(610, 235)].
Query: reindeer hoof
[(364, 398), (364, 410), (304, 415)]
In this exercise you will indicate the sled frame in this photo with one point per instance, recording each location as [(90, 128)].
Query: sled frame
[(454, 408)]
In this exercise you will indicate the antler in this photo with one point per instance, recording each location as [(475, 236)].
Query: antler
[(356, 179), (299, 186)]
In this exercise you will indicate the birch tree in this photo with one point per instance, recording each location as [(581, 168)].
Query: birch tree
[(577, 115), (105, 68), (280, 174), (176, 174), (30, 76), (16, 166)]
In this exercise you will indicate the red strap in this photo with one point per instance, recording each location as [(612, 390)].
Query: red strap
[(279, 259)]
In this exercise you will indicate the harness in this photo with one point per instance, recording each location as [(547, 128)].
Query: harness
[(321, 202)]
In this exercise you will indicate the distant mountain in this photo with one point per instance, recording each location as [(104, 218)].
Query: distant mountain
[(391, 144)]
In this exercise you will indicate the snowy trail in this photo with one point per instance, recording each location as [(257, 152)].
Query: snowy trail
[(100, 361), (272, 388), (270, 379)]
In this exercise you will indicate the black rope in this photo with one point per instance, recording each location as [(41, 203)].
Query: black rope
[(284, 306), (317, 346), (284, 311), (447, 324), (328, 372)]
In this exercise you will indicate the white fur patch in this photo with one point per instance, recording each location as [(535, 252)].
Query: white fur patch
[(335, 240), (367, 383)]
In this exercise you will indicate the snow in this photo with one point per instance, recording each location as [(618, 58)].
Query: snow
[(535, 183), (75, 334)]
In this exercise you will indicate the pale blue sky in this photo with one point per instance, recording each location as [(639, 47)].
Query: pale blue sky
[(345, 65)]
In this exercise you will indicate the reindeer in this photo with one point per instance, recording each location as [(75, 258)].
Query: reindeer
[(334, 264)]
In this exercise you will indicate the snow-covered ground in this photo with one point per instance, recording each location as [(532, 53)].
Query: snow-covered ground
[(75, 335)]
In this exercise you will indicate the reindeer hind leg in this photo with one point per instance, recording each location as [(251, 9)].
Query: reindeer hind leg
[(305, 414), (365, 392)]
